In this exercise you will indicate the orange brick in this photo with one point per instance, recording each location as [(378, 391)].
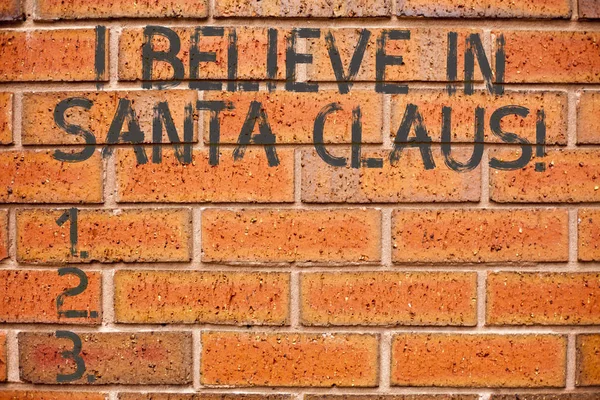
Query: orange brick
[(589, 9), (248, 180), (543, 298), (263, 359), (38, 125), (551, 56), (588, 122), (564, 396), (3, 357), (588, 362), (112, 358), (476, 236), (252, 54), (456, 360), (37, 177), (11, 10), (282, 236), (424, 54), (292, 115), (148, 235), (200, 396), (31, 297), (431, 102), (389, 298), (3, 234), (392, 397), (50, 55), (202, 297), (571, 176), (406, 182), (588, 235), (82, 9), (302, 8), (6, 112), (43, 395), (484, 8)]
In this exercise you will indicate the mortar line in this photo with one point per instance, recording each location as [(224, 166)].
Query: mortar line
[(571, 362), (12, 363)]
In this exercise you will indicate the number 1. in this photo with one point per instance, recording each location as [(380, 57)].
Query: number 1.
[(71, 215)]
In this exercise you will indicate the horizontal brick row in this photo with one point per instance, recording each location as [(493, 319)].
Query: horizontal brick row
[(57, 395)]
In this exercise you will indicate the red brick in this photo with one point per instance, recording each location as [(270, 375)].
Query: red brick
[(290, 360), (588, 362), (589, 9), (571, 176), (484, 8), (476, 236), (6, 113), (392, 397), (247, 180), (588, 235), (3, 234), (252, 54), (389, 298), (35, 176), (551, 56), (200, 396), (148, 235), (31, 297), (406, 182), (282, 236), (562, 396), (11, 10), (113, 358), (302, 8), (83, 9), (202, 297), (38, 125), (424, 54), (588, 120), (292, 115), (456, 360), (543, 298), (3, 357), (49, 55), (47, 395), (431, 102)]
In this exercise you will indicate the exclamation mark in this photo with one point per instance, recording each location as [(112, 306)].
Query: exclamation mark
[(540, 140)]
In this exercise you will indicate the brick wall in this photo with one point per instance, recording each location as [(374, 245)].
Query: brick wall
[(173, 228)]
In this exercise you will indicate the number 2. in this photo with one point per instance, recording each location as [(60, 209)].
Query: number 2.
[(83, 284)]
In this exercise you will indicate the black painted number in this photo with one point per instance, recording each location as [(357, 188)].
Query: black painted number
[(71, 215), (77, 290)]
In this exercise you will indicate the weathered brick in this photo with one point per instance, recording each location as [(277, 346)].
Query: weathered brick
[(202, 297), (6, 113), (551, 56), (302, 8), (38, 126), (292, 115), (255, 235), (200, 396), (588, 362), (406, 182), (148, 235), (588, 241), (31, 297), (424, 54), (562, 396), (543, 298), (589, 9), (392, 397), (389, 298), (456, 360), (571, 176), (49, 395), (431, 102), (252, 54), (270, 359), (484, 8), (248, 180), (35, 176), (3, 234), (82, 9), (50, 55), (3, 357), (588, 122), (112, 358), (11, 10), (477, 236)]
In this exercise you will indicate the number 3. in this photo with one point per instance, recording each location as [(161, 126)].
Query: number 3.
[(74, 355)]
